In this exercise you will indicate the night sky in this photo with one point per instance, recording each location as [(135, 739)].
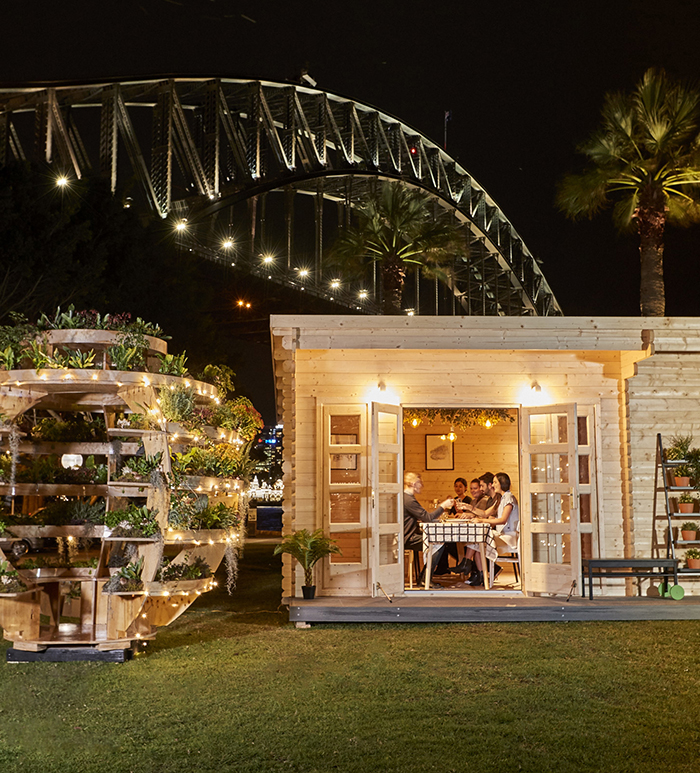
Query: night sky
[(524, 81)]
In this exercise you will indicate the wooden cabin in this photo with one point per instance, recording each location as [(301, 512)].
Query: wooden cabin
[(587, 396)]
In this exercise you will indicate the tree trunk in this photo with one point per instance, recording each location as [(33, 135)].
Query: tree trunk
[(393, 276), (651, 221)]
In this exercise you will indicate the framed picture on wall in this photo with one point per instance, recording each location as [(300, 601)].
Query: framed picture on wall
[(439, 453)]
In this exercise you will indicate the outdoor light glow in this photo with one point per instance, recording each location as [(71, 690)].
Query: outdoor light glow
[(267, 258), (227, 245), (181, 225), (414, 423), (61, 182), (335, 284), (363, 294), (410, 312), (303, 272), (488, 424), (532, 394)]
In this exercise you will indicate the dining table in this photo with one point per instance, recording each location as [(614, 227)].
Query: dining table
[(438, 533)]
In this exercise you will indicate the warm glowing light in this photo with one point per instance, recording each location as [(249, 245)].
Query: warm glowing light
[(241, 303), (61, 182), (247, 305), (227, 245), (443, 437), (335, 284), (414, 423), (488, 424), (363, 294), (303, 272), (267, 259), (410, 312), (181, 226)]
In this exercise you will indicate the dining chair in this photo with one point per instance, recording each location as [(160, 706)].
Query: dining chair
[(507, 555)]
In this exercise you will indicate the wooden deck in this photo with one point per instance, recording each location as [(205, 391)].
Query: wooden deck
[(435, 608)]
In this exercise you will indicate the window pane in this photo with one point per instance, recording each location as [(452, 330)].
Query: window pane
[(584, 469), (551, 548), (350, 543), (550, 508), (585, 505), (549, 428), (549, 468), (345, 508), (344, 468), (345, 430), (387, 468), (582, 422), (586, 546), (388, 549), (388, 427), (388, 508)]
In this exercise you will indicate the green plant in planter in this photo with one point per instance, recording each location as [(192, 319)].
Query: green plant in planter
[(8, 358), (692, 554), (135, 521), (9, 579), (173, 364), (308, 548), (686, 498), (177, 404), (689, 526), (38, 354), (679, 447), (127, 579), (139, 468)]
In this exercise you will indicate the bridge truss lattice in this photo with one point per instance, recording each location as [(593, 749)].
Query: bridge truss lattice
[(228, 160)]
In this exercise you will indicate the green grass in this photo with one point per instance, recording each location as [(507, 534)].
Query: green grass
[(232, 686)]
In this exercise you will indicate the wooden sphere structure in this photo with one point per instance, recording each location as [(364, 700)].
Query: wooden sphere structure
[(66, 606)]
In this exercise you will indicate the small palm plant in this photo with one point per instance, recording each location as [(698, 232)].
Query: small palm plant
[(308, 548)]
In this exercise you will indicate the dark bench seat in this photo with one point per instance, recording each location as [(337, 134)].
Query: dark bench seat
[(627, 567)]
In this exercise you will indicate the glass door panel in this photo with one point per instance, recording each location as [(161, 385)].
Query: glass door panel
[(549, 518), (387, 499), (343, 506)]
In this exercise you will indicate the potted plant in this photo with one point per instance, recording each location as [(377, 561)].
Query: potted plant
[(692, 558), (686, 503), (127, 579), (688, 531), (308, 548), (678, 451)]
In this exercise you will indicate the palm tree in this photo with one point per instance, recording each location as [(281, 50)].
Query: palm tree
[(397, 228), (646, 158)]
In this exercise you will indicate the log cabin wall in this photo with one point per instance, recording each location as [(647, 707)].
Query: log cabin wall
[(663, 397)]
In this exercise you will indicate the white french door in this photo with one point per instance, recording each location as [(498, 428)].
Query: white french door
[(549, 518), (343, 504), (386, 513)]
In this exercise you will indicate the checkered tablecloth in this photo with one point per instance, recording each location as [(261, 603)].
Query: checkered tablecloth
[(460, 532)]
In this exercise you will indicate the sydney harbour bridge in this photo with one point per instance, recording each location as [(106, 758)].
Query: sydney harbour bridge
[(260, 176)]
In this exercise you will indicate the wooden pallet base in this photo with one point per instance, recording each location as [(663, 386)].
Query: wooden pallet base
[(70, 655)]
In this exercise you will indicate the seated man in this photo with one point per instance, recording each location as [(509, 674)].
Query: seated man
[(414, 513)]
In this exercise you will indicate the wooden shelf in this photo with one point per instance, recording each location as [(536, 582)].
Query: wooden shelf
[(54, 489)]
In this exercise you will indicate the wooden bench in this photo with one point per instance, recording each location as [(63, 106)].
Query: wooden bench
[(627, 567)]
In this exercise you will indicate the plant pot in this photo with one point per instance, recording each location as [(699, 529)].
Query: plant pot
[(309, 591), (688, 536), (686, 507), (693, 563), (682, 482)]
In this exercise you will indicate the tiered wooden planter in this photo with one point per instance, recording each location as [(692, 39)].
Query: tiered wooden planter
[(32, 620)]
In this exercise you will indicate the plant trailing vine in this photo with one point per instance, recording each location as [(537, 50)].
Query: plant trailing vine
[(459, 418)]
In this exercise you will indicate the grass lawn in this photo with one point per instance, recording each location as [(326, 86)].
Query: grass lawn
[(232, 686)]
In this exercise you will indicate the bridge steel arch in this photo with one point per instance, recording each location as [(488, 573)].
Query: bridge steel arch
[(216, 143)]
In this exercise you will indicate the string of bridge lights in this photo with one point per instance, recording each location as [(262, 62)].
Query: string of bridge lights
[(181, 227), (268, 260)]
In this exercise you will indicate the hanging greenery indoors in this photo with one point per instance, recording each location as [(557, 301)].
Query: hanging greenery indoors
[(458, 418)]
